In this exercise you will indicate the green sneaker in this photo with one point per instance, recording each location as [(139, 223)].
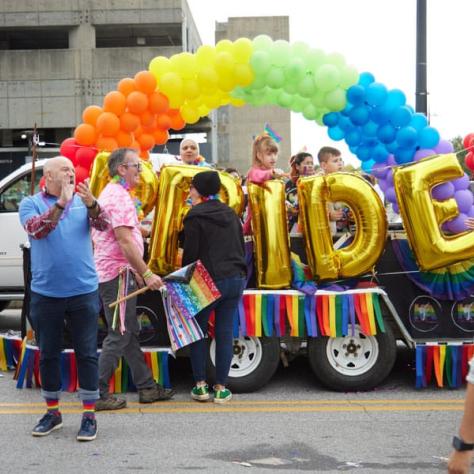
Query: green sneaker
[(222, 396), (201, 394)]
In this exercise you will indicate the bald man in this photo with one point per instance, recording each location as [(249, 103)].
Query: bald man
[(189, 153), (64, 286)]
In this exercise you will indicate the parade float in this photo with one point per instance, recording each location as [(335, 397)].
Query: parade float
[(345, 307)]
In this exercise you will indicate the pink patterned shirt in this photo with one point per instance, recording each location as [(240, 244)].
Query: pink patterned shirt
[(118, 204)]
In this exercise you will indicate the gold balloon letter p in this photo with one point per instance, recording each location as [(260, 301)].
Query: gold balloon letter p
[(422, 216)]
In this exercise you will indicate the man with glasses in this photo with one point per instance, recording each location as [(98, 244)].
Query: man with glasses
[(119, 261)]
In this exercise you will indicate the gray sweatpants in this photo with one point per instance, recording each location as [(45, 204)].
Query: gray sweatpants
[(116, 345)]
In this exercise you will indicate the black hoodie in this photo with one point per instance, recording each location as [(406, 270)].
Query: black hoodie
[(213, 234)]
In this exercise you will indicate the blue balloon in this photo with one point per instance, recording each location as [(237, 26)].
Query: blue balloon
[(379, 154), (335, 133), (345, 124), (428, 137), (353, 138), (331, 119), (386, 133), (401, 116), (359, 115), (364, 153), (366, 78), (380, 115), (395, 98), (367, 165), (370, 129), (418, 121), (392, 146), (376, 94), (407, 137), (355, 95), (404, 155)]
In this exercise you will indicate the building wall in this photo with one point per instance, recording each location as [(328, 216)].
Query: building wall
[(53, 86), (236, 127)]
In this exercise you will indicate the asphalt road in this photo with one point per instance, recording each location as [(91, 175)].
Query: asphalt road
[(293, 424)]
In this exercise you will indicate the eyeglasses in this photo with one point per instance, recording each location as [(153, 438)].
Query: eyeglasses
[(138, 166)]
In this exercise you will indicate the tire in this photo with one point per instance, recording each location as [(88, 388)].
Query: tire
[(4, 304), (254, 362), (353, 363)]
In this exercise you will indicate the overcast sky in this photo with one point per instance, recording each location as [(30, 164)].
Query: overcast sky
[(376, 36)]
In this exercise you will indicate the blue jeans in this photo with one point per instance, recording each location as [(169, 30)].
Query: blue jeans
[(47, 317), (225, 309)]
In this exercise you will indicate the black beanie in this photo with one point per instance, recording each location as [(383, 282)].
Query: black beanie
[(207, 183)]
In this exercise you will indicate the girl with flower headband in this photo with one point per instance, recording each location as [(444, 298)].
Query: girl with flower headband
[(264, 158), (301, 164)]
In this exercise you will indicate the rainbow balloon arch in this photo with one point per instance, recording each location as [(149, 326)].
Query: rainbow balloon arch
[(376, 123)]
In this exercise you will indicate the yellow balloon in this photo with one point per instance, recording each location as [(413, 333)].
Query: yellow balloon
[(269, 227), (224, 46), (189, 113), (99, 173), (171, 84), (422, 216), (184, 64), (171, 209), (314, 192), (146, 191), (191, 89), (159, 66), (205, 55), (242, 50), (207, 78), (243, 74)]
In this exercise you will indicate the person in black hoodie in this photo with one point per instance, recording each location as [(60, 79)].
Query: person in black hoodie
[(213, 234)]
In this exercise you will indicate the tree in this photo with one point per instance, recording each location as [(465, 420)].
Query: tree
[(461, 153)]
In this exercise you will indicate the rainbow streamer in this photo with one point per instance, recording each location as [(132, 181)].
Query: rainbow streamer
[(192, 297), (121, 381), (448, 362), (274, 135), (10, 350)]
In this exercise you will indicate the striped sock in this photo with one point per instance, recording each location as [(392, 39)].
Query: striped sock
[(88, 407), (52, 405)]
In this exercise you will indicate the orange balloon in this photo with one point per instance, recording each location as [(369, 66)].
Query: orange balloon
[(115, 102), (177, 122), (146, 141), (85, 134), (150, 128), (91, 113), (163, 121), (161, 136), (129, 122), (108, 124), (145, 82), (135, 145), (137, 102), (124, 139), (158, 103), (147, 118), (144, 155), (106, 144), (138, 131), (126, 86)]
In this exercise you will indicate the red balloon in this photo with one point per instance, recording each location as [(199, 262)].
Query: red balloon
[(85, 156), (81, 174), (469, 160), (68, 148), (468, 139)]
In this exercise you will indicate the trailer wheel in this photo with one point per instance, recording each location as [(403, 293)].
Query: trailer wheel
[(352, 363), (254, 362)]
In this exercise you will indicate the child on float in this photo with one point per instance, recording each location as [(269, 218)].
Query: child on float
[(264, 159), (301, 164), (330, 161)]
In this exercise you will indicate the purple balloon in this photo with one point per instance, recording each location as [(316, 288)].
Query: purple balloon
[(444, 146), (380, 170), (390, 195), (391, 161), (443, 191), (389, 177), (471, 212), (383, 185), (457, 224), (395, 208), (423, 153), (464, 199), (461, 183)]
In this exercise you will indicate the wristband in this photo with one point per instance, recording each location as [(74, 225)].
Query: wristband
[(94, 205), (147, 274), (59, 206)]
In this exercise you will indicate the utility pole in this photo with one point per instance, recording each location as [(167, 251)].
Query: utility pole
[(421, 94)]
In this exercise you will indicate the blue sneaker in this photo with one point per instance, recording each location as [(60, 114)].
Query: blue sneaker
[(88, 430), (48, 423)]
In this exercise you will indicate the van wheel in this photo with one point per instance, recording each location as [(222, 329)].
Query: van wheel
[(4, 304), (254, 362), (353, 363)]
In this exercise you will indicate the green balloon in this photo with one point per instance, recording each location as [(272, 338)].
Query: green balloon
[(335, 100), (306, 87), (327, 77), (262, 42), (310, 112), (349, 77), (295, 69), (275, 77), (260, 62), (280, 53), (284, 99)]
